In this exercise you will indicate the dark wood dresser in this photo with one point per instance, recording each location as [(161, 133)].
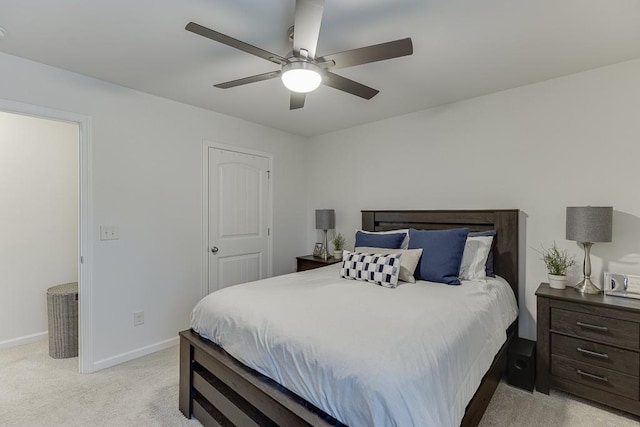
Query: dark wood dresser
[(589, 345), (309, 262)]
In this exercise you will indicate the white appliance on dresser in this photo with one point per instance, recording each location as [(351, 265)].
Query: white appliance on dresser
[(622, 285)]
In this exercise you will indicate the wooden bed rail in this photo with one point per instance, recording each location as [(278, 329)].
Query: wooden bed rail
[(219, 390)]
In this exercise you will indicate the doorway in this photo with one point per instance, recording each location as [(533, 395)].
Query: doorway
[(236, 216), (79, 126)]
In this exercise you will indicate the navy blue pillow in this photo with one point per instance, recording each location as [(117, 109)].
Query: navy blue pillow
[(441, 254), (374, 240), (489, 265)]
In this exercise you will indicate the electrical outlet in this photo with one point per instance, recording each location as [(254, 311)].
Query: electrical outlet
[(138, 318), (109, 232)]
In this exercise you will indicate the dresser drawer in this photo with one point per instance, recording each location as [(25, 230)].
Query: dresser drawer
[(624, 361), (604, 329), (595, 377)]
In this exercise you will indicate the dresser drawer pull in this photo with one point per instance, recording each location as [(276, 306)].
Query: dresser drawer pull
[(594, 327), (592, 376), (592, 353)]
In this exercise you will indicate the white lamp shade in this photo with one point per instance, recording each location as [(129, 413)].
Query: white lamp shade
[(589, 223), (301, 77)]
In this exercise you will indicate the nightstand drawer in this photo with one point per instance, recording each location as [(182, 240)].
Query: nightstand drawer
[(595, 377), (603, 329), (307, 265), (624, 361), (309, 262)]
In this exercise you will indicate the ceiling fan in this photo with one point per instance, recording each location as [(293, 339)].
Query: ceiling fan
[(302, 71)]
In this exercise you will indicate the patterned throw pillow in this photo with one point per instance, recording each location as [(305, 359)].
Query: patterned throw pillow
[(408, 263), (381, 269)]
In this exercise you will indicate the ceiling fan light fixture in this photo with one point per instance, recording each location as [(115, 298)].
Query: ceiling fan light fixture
[(301, 76)]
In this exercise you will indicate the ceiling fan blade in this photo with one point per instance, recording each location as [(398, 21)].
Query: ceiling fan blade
[(306, 27), (230, 41), (297, 100), (346, 85), (365, 55), (246, 80)]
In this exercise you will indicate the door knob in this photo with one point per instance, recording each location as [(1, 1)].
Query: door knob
[(214, 249)]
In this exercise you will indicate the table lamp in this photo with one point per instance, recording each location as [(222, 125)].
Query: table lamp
[(589, 225), (325, 220)]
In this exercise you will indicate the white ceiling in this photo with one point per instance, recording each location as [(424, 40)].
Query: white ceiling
[(462, 49)]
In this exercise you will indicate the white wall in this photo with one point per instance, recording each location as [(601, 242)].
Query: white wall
[(539, 148), (570, 141), (147, 179), (38, 220)]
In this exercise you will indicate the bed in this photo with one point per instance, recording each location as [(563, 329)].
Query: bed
[(218, 389)]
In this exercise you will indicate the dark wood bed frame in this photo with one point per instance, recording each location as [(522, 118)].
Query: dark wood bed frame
[(217, 389)]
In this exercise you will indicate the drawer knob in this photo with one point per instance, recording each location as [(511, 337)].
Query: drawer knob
[(592, 376), (594, 327), (592, 353)]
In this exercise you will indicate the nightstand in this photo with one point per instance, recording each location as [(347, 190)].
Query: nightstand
[(589, 345), (309, 262)]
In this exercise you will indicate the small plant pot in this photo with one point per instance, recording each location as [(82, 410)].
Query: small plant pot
[(557, 282), (337, 254)]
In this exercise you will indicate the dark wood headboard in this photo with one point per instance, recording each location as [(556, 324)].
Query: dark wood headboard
[(505, 222)]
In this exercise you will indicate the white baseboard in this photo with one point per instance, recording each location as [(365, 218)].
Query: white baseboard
[(27, 339), (134, 354)]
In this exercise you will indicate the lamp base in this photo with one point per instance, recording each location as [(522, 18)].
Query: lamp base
[(325, 250), (586, 286)]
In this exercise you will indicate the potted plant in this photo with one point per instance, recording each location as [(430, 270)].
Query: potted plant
[(338, 245), (558, 263)]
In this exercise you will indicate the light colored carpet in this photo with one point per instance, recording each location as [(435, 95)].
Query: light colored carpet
[(512, 406), (36, 390)]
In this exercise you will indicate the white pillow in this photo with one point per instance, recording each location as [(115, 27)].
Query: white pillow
[(382, 270), (474, 258), (408, 262), (405, 242)]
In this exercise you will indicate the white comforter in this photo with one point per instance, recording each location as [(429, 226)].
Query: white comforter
[(367, 355)]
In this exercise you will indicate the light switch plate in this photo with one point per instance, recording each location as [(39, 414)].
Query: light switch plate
[(109, 232)]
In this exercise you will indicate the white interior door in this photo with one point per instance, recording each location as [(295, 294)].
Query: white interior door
[(238, 218)]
